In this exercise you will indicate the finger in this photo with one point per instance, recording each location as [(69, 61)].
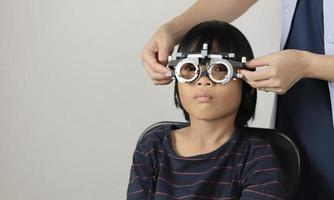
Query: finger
[(257, 62), (163, 53), (250, 83), (155, 76), (269, 89), (163, 82), (269, 83), (258, 75)]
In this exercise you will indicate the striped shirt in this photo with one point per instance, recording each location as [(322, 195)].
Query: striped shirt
[(243, 168)]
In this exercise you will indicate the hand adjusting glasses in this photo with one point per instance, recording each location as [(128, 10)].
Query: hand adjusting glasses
[(187, 67)]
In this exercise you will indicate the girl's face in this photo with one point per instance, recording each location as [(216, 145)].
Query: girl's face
[(206, 100)]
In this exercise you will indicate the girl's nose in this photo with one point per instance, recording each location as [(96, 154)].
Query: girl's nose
[(204, 80)]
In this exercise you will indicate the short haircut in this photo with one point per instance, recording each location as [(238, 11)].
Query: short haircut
[(220, 37)]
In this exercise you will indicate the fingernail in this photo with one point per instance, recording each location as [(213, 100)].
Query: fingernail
[(168, 74), (240, 76)]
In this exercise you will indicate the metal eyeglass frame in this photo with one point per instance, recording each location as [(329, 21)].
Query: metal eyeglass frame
[(176, 62)]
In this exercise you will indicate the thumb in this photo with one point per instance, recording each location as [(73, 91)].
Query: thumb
[(258, 62)]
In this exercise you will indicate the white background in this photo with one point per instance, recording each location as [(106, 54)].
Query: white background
[(74, 97)]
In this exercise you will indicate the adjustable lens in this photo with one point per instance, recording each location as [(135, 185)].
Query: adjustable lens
[(188, 71), (218, 71)]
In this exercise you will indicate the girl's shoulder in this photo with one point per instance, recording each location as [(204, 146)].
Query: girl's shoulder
[(251, 140), (154, 136), (254, 148)]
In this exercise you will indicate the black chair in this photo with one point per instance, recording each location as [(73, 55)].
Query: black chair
[(284, 148)]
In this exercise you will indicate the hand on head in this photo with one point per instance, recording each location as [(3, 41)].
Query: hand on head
[(155, 53)]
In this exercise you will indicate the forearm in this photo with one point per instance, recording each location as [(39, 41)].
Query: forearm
[(204, 10), (318, 66)]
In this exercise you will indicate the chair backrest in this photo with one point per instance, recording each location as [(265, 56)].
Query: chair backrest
[(284, 148)]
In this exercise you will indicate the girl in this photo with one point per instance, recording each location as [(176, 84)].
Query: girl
[(213, 157)]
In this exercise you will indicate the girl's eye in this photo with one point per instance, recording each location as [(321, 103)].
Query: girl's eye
[(220, 68), (190, 68)]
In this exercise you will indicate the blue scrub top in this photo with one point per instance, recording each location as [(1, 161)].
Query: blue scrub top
[(304, 112)]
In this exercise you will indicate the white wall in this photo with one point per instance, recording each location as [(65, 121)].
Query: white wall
[(75, 97)]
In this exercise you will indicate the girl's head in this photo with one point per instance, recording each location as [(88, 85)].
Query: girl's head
[(204, 99)]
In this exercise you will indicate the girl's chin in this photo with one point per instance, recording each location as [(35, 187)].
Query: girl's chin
[(211, 115), (206, 117)]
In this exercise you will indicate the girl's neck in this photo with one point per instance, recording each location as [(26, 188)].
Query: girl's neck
[(211, 132)]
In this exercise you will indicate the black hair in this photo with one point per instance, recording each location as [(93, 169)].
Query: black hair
[(220, 37)]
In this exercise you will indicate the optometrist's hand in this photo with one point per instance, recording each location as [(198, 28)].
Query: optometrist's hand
[(155, 54), (280, 72)]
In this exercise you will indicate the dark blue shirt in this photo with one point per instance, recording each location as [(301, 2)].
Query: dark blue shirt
[(242, 168), (307, 27)]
